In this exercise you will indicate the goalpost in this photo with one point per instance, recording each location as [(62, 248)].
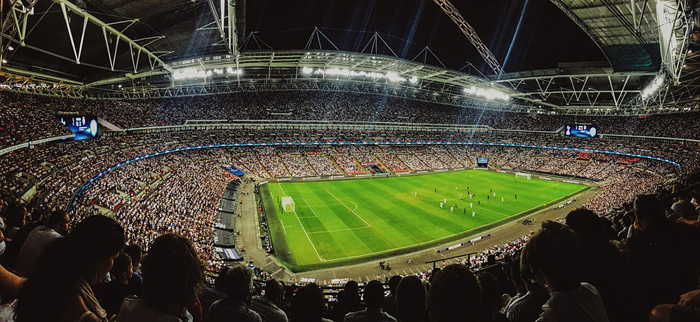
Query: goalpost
[(288, 204), (522, 174)]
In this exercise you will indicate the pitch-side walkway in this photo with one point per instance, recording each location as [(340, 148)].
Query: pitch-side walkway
[(368, 271)]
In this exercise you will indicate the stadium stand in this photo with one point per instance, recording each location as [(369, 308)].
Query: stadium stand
[(179, 192)]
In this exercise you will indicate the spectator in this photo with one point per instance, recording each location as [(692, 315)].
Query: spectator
[(136, 281), (686, 310), (350, 302), (39, 239), (683, 208), (490, 298), (663, 254), (268, 305), (60, 289), (213, 293), (410, 300), (553, 255), (15, 218), (15, 232), (603, 265), (10, 283), (373, 296), (173, 275), (307, 305), (528, 307), (234, 307), (117, 289), (389, 304), (454, 295)]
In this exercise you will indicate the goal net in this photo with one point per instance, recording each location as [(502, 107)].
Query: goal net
[(522, 174), (288, 204)]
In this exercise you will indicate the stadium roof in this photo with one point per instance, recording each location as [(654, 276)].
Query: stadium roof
[(140, 41)]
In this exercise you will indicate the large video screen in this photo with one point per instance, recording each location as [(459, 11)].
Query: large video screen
[(83, 126), (581, 130), (482, 160)]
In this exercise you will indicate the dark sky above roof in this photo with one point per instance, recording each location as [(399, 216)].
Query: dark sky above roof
[(523, 34)]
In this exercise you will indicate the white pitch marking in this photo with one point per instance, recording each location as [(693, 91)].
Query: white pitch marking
[(283, 229), (353, 211), (302, 227), (335, 230), (312, 209)]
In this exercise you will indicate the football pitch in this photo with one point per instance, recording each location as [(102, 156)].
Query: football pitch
[(348, 221)]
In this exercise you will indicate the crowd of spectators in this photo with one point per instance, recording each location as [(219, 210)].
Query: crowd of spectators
[(31, 117), (577, 269), (67, 166), (637, 263), (182, 200)]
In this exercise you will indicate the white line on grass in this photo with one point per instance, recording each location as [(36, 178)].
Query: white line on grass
[(353, 211), (336, 230), (283, 229), (307, 236), (312, 209), (302, 227)]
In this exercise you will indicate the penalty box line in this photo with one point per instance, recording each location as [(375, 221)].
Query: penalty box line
[(353, 211), (302, 227)]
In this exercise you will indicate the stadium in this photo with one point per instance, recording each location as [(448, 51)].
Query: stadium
[(202, 160)]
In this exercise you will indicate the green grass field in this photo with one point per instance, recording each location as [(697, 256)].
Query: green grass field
[(349, 221)]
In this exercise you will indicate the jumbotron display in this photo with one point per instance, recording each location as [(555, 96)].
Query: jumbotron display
[(581, 130), (83, 126)]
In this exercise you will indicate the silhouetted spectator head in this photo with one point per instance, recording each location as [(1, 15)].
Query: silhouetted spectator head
[(135, 253), (173, 274), (648, 211), (122, 268), (585, 223), (88, 254), (239, 283), (410, 299), (273, 291), (307, 304), (490, 293), (553, 256), (374, 294), (220, 280), (59, 221), (16, 215), (394, 283), (454, 295), (351, 291), (433, 273), (97, 240)]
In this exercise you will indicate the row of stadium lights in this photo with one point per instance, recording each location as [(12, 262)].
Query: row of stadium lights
[(487, 93), (190, 73), (653, 87), (389, 76)]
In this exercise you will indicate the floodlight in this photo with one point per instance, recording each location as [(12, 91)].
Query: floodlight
[(307, 70)]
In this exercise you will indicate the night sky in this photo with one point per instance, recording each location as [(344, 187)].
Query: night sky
[(523, 34)]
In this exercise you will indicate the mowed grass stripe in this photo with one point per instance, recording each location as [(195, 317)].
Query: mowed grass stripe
[(397, 218)]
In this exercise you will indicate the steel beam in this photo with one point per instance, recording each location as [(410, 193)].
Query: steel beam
[(107, 28)]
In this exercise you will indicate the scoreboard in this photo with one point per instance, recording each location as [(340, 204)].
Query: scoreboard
[(482, 161), (83, 126), (581, 130)]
